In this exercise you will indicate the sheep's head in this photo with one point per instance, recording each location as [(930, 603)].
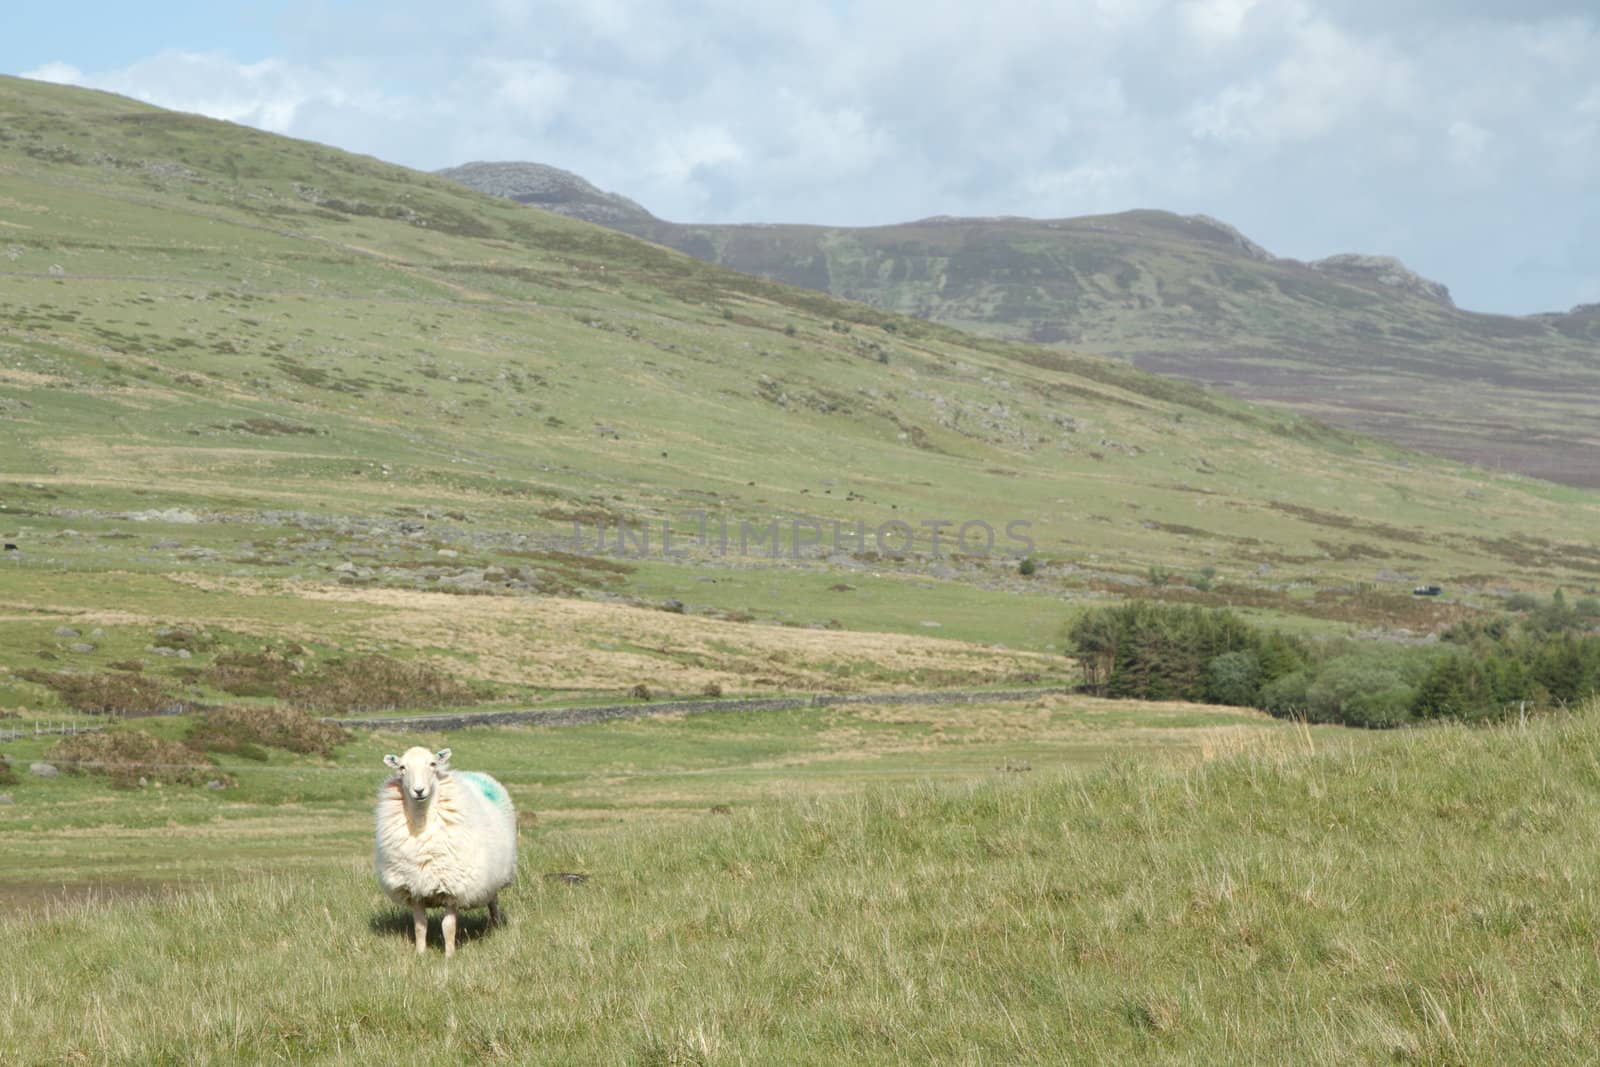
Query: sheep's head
[(419, 772)]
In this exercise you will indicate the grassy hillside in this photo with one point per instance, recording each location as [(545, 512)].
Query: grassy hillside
[(1428, 900), (1358, 341), (262, 390)]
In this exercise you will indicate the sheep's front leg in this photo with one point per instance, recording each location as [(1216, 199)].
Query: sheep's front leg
[(450, 931), (419, 926), (496, 918)]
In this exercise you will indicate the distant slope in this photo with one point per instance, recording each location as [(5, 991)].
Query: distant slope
[(1360, 341), (230, 360)]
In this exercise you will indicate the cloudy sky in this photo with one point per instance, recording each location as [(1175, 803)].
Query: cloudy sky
[(1461, 135)]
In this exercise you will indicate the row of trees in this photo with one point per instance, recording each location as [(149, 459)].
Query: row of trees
[(1481, 670)]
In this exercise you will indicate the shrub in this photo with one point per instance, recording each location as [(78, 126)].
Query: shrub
[(1380, 709), (1566, 667), (340, 685), (1454, 687), (251, 674), (1485, 668), (1163, 651), (1235, 679), (243, 730), (1343, 681), (98, 694), (177, 637), (125, 756), (1027, 567), (379, 681), (7, 775), (712, 689), (640, 692), (1286, 697)]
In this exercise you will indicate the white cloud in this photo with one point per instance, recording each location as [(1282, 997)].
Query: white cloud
[(1326, 78), (1216, 22), (1469, 143), (686, 153), (532, 89), (60, 73)]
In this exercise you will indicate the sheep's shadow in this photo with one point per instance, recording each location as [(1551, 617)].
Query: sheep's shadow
[(470, 925)]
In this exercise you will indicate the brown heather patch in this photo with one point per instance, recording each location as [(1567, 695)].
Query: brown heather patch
[(98, 694), (226, 729), (346, 683), (361, 683), (251, 674), (1352, 550), (1344, 522), (1377, 607), (125, 756), (1195, 531), (1542, 554)]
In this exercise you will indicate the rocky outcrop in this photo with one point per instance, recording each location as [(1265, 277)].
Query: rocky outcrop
[(551, 188), (1232, 236), (1386, 270)]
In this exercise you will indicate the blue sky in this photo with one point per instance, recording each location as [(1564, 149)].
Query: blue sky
[(1461, 135)]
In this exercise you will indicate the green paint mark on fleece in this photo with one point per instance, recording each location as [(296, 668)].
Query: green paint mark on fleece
[(490, 788)]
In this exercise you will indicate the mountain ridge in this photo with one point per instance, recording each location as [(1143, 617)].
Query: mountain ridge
[(548, 187), (1358, 340)]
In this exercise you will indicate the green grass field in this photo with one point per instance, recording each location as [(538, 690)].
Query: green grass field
[(76, 831), (1276, 896)]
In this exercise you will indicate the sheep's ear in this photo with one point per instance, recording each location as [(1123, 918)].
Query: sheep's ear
[(443, 756), (392, 761)]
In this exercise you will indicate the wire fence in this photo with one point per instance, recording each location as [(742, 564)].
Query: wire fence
[(54, 729)]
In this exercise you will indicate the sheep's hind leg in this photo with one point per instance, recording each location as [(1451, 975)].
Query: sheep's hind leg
[(496, 916), (419, 926), (450, 931)]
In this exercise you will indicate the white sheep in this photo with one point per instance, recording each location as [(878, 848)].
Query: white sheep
[(444, 839)]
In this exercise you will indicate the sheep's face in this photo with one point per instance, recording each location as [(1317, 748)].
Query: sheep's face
[(419, 772)]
